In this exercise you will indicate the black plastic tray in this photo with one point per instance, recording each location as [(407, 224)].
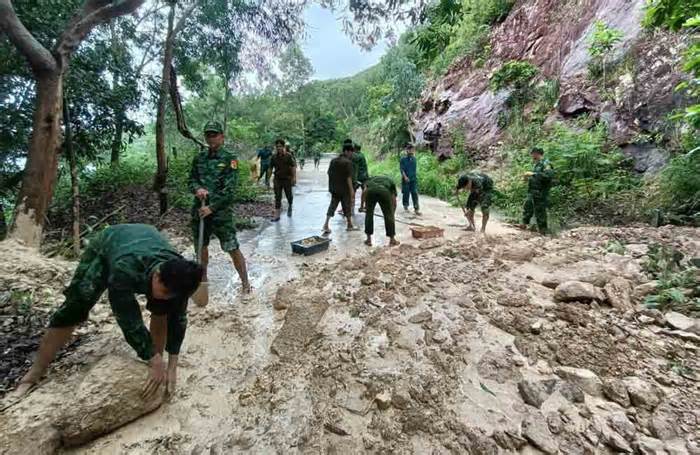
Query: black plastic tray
[(320, 245)]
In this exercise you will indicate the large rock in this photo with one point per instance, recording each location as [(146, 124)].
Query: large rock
[(642, 393), (535, 393), (536, 431), (616, 390), (577, 291), (618, 291), (679, 321), (647, 158), (646, 445), (106, 398), (586, 379)]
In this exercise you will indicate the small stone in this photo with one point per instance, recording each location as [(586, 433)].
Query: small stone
[(513, 299), (644, 290), (643, 394), (401, 400), (383, 400), (536, 327), (586, 379), (679, 321), (421, 317)]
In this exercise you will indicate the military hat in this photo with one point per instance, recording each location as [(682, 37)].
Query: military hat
[(536, 150), (213, 127)]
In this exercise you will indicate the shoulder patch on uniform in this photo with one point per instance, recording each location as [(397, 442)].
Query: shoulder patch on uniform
[(234, 164)]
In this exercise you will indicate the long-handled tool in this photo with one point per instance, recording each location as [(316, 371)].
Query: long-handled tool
[(201, 295)]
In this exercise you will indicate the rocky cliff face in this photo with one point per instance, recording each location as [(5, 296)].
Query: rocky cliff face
[(553, 34)]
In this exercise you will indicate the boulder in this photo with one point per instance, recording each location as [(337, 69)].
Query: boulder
[(383, 400), (536, 431), (647, 158), (618, 292), (535, 393), (518, 253), (646, 445), (619, 422), (106, 398), (642, 393), (644, 290), (679, 321), (663, 425), (577, 291), (616, 390), (585, 379)]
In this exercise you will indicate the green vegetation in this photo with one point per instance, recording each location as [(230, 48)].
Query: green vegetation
[(678, 287), (457, 30), (601, 44)]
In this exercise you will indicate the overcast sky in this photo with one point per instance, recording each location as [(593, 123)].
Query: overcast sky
[(331, 52)]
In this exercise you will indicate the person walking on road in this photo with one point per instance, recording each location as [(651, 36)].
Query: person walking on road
[(124, 260), (360, 175), (340, 185), (285, 168), (539, 182), (265, 156), (317, 159), (409, 176), (213, 180), (480, 189), (381, 190)]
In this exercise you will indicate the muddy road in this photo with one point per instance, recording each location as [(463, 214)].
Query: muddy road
[(504, 343)]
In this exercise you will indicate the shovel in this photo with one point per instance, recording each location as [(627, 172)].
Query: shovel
[(201, 295)]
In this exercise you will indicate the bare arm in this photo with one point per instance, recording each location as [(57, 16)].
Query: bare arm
[(159, 332)]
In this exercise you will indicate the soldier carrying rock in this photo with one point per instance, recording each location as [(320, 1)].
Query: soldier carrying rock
[(124, 260)]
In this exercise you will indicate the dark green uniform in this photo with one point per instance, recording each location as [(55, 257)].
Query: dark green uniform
[(217, 172), (360, 173), (481, 193), (538, 194), (122, 259), (380, 190)]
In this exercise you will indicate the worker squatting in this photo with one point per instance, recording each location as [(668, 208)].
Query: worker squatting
[(134, 259)]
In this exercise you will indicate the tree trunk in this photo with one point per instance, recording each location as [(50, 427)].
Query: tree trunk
[(42, 160), (75, 189), (161, 177), (227, 96), (118, 135)]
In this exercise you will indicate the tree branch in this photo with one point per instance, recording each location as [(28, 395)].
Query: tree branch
[(80, 28), (181, 22), (39, 58), (177, 107)]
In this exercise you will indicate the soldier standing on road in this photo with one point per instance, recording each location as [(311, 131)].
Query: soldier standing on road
[(285, 177), (409, 176), (538, 183), (360, 175), (124, 260), (381, 190), (340, 185), (480, 188), (264, 155), (317, 158), (213, 182)]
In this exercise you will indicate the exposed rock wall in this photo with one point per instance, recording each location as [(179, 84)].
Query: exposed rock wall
[(553, 34)]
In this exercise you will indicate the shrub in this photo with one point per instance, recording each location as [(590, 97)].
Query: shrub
[(601, 44)]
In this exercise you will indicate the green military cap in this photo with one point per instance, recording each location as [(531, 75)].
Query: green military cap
[(213, 127), (537, 150)]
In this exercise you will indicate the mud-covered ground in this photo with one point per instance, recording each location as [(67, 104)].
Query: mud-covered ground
[(455, 345)]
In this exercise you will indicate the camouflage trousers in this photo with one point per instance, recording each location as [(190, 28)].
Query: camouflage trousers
[(384, 199), (221, 224), (536, 204)]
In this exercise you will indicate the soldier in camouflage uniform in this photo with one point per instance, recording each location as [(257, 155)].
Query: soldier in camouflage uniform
[(381, 190), (538, 183), (360, 175), (480, 188), (213, 182), (124, 260)]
